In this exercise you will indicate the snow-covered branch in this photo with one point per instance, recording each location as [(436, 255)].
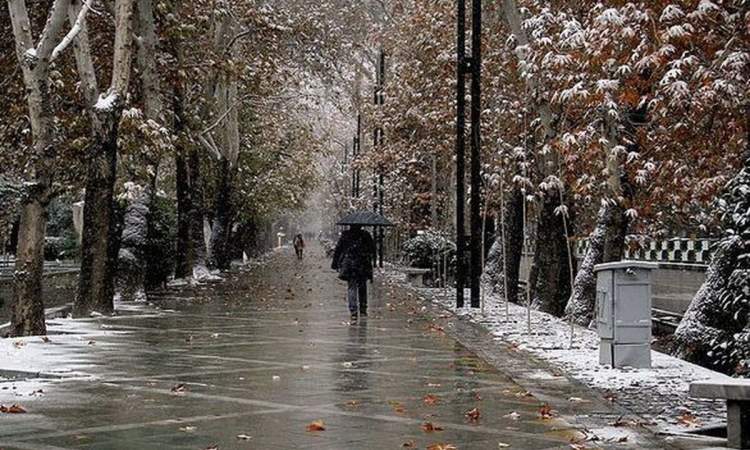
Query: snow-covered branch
[(74, 30)]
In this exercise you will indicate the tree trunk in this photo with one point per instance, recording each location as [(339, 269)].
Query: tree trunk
[(550, 289), (131, 262), (96, 280), (494, 274), (715, 331), (196, 214), (184, 256), (221, 230), (606, 243), (27, 312)]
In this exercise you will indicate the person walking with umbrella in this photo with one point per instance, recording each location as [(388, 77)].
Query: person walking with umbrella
[(352, 259)]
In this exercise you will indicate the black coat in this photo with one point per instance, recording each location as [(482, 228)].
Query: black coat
[(354, 254)]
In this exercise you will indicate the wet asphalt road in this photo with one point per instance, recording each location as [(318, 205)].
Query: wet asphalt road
[(252, 362)]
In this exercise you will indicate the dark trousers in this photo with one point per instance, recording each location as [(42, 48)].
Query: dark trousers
[(357, 294)]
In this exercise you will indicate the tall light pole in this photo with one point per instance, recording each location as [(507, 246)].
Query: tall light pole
[(460, 149), (378, 138), (476, 181), (468, 66)]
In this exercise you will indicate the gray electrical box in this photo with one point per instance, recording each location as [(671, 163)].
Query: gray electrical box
[(623, 313)]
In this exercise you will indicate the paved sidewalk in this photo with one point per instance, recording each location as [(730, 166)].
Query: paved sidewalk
[(252, 362)]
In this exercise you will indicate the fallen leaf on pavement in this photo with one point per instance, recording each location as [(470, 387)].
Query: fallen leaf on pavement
[(12, 409), (244, 437), (502, 445), (179, 389), (688, 420), (19, 344), (46, 340), (545, 411), (316, 425), (429, 427), (513, 416), (577, 400), (187, 429), (398, 407), (431, 399), (409, 444), (441, 446), (212, 447), (473, 415), (352, 403)]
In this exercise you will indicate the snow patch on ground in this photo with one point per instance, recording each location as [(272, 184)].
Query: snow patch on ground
[(659, 395)]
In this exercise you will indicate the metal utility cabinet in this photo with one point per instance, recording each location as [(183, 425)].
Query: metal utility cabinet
[(623, 313)]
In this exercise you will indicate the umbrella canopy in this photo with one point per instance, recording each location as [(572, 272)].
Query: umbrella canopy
[(366, 219)]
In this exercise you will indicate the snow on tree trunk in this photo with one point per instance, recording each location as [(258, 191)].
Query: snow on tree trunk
[(605, 244), (27, 311), (96, 280), (715, 331), (494, 275), (131, 265)]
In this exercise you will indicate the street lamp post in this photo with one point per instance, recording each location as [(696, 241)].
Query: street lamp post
[(460, 149), (468, 66), (476, 110)]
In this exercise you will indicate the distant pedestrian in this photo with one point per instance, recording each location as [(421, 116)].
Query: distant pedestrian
[(353, 260), (299, 245)]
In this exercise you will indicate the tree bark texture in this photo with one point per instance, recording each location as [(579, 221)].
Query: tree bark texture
[(550, 288), (222, 225), (27, 312), (606, 243), (715, 331), (96, 280), (494, 274), (184, 256)]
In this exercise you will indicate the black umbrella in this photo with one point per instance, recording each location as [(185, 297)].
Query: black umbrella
[(365, 219)]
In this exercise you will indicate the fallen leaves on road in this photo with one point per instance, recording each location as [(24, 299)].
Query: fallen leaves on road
[(12, 409), (46, 340), (441, 446), (352, 403), (512, 416), (687, 419), (179, 389), (473, 415), (502, 445), (409, 444), (316, 425), (244, 437), (577, 400), (429, 427), (397, 406), (19, 344), (212, 447), (545, 412), (187, 429), (431, 399)]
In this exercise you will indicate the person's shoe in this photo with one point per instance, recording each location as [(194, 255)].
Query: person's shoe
[(354, 317)]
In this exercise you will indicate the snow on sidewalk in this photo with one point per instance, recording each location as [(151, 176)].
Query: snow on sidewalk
[(658, 395)]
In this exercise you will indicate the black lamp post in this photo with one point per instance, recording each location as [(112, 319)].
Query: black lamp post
[(468, 66)]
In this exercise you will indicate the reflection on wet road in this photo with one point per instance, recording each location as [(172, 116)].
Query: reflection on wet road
[(251, 362)]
